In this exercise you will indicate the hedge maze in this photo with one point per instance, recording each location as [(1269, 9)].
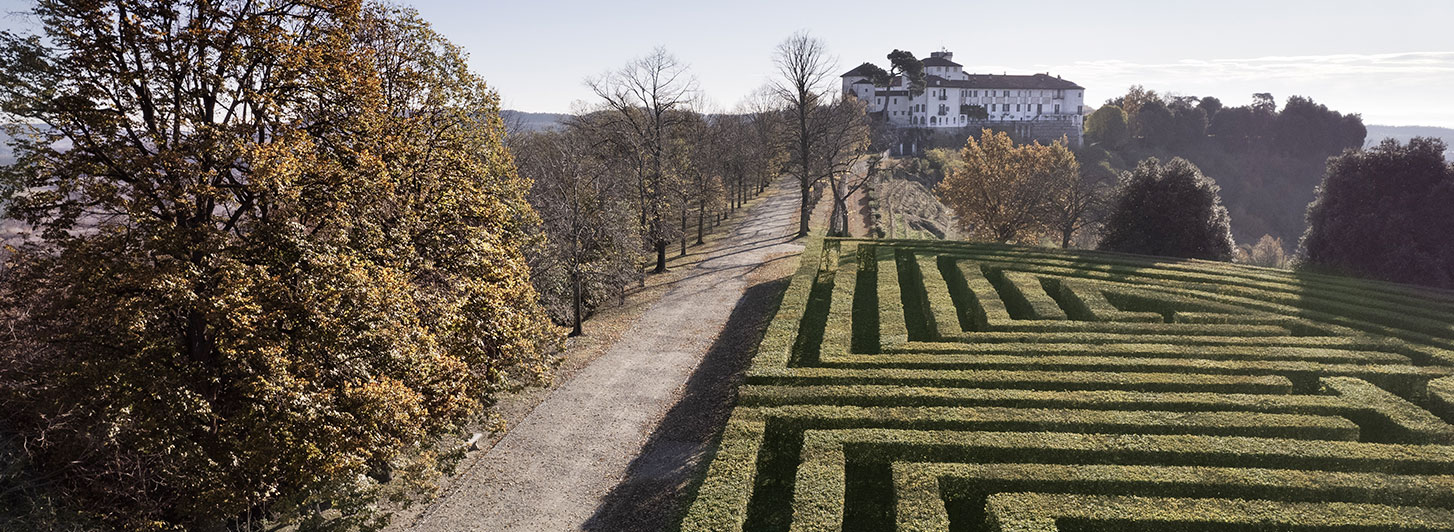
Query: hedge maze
[(933, 386)]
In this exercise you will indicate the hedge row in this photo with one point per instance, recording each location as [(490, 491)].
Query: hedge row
[(1035, 380), (924, 492), (819, 498), (1084, 301), (953, 374), (1040, 512), (1162, 348)]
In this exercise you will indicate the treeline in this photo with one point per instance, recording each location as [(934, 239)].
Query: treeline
[(1267, 161), (642, 170), (1382, 213), (647, 169)]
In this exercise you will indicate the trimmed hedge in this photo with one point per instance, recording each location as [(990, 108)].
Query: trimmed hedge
[(917, 384), (924, 491), (1040, 512)]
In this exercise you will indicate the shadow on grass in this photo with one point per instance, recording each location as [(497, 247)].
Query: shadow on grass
[(661, 480)]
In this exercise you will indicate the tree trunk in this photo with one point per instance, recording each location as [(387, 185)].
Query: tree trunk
[(701, 219), (575, 278), (660, 256), (684, 233), (803, 212)]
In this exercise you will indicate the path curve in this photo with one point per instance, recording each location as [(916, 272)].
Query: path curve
[(551, 471)]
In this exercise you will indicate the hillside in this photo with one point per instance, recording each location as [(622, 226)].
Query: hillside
[(1403, 133), (923, 385), (533, 121)]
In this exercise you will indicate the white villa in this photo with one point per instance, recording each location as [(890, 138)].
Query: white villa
[(1038, 106)]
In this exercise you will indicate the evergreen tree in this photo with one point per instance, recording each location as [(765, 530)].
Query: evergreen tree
[(1170, 210), (1385, 213)]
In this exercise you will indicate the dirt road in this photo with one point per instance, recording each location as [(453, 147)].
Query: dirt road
[(563, 466)]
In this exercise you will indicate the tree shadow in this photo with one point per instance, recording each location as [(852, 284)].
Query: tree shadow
[(658, 483)]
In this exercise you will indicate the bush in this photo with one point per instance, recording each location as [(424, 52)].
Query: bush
[(1171, 210)]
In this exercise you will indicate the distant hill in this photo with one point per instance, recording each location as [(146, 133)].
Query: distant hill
[(1376, 134), (533, 121)]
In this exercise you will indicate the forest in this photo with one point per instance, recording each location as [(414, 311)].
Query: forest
[(1267, 160)]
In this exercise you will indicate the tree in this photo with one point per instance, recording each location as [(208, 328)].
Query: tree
[(1264, 103), (766, 147), (650, 100), (1170, 210), (845, 135), (1077, 197), (1267, 252), (588, 253), (804, 69), (1188, 123), (1135, 97), (903, 63), (1153, 124), (1384, 214), (276, 280), (1306, 128), (1107, 127), (999, 191), (1209, 105)]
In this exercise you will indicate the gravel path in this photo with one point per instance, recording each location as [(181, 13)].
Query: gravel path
[(553, 471)]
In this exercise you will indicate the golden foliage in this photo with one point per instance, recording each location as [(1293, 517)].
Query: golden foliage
[(264, 283), (1001, 191)]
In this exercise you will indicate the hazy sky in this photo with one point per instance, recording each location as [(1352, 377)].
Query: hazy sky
[(1391, 60)]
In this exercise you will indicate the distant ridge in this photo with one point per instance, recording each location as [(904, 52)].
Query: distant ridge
[(1402, 134), (532, 121)]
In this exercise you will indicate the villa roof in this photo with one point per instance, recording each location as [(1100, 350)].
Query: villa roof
[(994, 81), (860, 70), (939, 61)]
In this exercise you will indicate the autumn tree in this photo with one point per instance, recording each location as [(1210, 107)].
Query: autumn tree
[(279, 256), (1000, 191), (589, 250), (649, 101), (1384, 213), (1168, 209)]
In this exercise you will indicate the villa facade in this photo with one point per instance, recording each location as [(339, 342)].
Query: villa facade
[(1038, 106)]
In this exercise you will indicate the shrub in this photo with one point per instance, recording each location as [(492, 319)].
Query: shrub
[(1171, 210)]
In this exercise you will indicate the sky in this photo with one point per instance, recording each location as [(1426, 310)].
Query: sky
[(1390, 60)]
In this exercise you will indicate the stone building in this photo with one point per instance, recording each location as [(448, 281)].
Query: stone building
[(1034, 107)]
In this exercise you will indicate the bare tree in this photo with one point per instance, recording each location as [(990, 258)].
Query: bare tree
[(648, 100), (804, 70), (583, 206), (1077, 200), (766, 147), (844, 134)]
